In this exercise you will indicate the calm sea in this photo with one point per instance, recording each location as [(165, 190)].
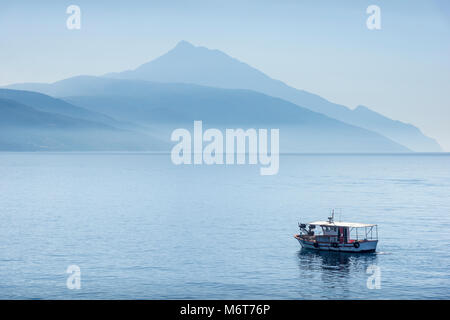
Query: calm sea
[(139, 227)]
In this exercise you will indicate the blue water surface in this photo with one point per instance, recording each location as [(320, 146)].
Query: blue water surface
[(140, 227)]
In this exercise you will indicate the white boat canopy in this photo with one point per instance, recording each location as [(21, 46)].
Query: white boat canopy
[(341, 224)]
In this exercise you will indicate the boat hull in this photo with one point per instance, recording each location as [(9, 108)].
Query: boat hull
[(364, 246)]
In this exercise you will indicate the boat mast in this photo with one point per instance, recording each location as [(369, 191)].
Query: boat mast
[(331, 219)]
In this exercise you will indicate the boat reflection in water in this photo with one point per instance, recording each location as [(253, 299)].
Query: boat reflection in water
[(343, 275)]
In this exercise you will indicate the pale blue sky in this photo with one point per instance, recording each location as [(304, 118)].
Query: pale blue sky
[(322, 46)]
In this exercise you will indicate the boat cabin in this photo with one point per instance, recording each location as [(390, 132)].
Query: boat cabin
[(343, 232)]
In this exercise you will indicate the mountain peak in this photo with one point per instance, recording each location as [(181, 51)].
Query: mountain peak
[(184, 44), (187, 49)]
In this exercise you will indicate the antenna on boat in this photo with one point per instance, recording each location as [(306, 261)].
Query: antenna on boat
[(331, 219)]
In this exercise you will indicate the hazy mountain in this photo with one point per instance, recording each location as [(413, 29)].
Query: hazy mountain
[(404, 133), (24, 128), (198, 65), (42, 102), (163, 107)]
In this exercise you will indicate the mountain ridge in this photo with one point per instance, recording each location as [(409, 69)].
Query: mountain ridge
[(165, 106), (24, 128), (187, 63)]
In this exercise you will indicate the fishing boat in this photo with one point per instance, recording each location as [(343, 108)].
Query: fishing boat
[(338, 236)]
